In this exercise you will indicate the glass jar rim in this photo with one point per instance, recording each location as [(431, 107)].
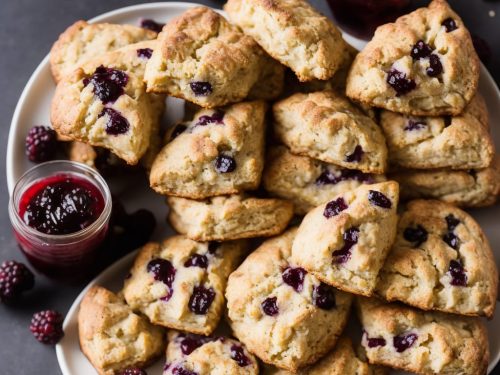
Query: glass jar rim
[(67, 167)]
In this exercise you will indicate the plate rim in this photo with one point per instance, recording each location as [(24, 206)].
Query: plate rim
[(9, 160)]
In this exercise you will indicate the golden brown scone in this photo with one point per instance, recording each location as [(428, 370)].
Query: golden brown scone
[(82, 42), (229, 217), (113, 337), (423, 64), (458, 142), (292, 32), (204, 59), (422, 342), (441, 260), (104, 103), (219, 152), (324, 125), (470, 188)]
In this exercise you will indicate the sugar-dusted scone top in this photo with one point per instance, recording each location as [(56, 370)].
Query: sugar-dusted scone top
[(283, 315), (229, 217), (218, 152), (180, 283), (342, 360), (440, 93), (208, 356), (202, 58), (344, 242), (79, 113), (441, 260), (458, 142), (469, 188), (292, 32), (112, 336), (82, 42), (436, 343), (325, 126), (308, 182)]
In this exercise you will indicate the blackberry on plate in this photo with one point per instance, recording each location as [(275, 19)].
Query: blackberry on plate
[(15, 278), (41, 144), (46, 326)]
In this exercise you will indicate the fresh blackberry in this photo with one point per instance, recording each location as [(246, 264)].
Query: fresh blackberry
[(41, 144), (15, 278), (46, 326)]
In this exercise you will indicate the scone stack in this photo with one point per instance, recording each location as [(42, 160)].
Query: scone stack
[(419, 281)]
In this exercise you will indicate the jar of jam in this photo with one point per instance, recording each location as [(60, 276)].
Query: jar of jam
[(60, 213)]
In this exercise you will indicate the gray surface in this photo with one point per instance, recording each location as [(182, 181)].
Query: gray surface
[(27, 30)]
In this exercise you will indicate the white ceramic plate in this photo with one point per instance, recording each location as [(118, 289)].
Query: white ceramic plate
[(33, 108)]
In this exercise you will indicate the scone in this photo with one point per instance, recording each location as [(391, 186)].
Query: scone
[(325, 126), (292, 32), (204, 59), (192, 354), (308, 182), (113, 337), (470, 188), (441, 260), (423, 64), (459, 142), (342, 360), (422, 342), (82, 42), (180, 283), (284, 315), (218, 152), (229, 217), (344, 242), (104, 103)]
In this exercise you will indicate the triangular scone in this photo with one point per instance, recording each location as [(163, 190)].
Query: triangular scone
[(218, 152), (180, 283), (324, 125), (423, 64), (464, 188), (284, 315), (292, 32), (202, 58), (82, 42), (458, 142), (193, 354), (344, 242), (113, 337), (441, 260), (422, 342), (104, 103)]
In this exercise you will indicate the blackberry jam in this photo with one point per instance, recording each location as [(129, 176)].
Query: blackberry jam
[(60, 212)]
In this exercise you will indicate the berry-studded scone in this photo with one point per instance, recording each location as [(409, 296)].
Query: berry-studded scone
[(309, 182), (344, 242), (202, 58), (104, 103), (219, 152), (423, 64), (191, 354), (342, 360), (292, 32), (82, 42), (229, 217), (284, 315), (470, 188), (422, 342), (441, 260), (113, 337), (180, 283), (325, 126), (458, 142)]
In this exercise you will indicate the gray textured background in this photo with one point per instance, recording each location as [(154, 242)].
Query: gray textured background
[(27, 30)]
